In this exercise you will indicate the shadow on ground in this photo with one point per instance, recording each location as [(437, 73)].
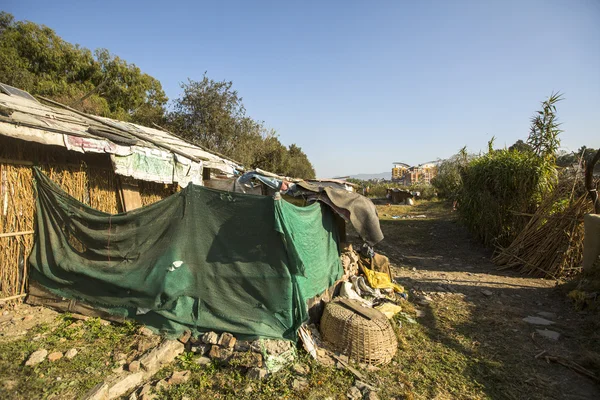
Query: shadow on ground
[(472, 316)]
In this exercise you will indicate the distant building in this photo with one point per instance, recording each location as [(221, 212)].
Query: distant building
[(407, 175)]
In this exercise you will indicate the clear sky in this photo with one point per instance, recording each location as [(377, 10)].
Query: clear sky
[(360, 84)]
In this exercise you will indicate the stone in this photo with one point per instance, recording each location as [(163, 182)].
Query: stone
[(164, 353), (548, 334), (55, 356), (547, 314), (179, 377), (226, 340), (161, 384), (370, 395), (201, 349), (133, 396), (185, 337), (276, 347), (362, 386), (354, 393), (133, 366), (256, 373), (146, 389), (300, 369), (98, 392), (537, 321), (241, 345), (27, 318), (203, 361), (210, 338), (125, 384), (117, 370), (36, 357), (487, 293), (148, 396), (146, 331), (71, 353), (220, 354), (300, 384)]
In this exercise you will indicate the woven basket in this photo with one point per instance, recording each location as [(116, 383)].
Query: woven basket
[(370, 341)]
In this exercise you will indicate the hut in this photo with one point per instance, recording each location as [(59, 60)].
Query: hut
[(110, 165)]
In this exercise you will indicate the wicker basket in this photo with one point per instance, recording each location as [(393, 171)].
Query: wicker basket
[(371, 341)]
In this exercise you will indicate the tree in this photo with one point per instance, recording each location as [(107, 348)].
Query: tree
[(521, 146), (211, 113), (34, 58)]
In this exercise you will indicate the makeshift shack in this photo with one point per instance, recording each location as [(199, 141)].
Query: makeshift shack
[(202, 259), (399, 196)]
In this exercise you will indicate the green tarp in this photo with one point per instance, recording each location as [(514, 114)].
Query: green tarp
[(201, 259)]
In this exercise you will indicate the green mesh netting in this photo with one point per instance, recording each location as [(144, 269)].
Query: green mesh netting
[(201, 259)]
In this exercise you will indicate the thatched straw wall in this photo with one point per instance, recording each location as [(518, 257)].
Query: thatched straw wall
[(87, 177)]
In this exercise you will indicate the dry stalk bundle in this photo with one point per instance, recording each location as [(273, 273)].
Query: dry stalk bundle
[(551, 244)]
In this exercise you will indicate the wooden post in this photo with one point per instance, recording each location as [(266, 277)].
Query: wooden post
[(589, 182)]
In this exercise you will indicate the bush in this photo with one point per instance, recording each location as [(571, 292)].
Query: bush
[(498, 188), (448, 182)]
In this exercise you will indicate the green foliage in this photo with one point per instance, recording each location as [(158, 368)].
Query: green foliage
[(34, 58), (211, 114), (499, 185), (544, 131), (448, 181), (521, 146)]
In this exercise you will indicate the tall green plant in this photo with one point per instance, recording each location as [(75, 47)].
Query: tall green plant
[(545, 129)]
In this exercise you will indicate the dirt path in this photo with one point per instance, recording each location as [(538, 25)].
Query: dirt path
[(477, 311)]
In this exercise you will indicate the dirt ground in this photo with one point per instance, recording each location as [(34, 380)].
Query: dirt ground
[(464, 337), (477, 311)]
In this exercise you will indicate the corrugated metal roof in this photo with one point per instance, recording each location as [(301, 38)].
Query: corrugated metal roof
[(24, 117)]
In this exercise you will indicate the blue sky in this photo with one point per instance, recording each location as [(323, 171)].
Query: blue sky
[(360, 84)]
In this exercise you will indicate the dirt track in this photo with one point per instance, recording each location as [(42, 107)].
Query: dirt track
[(478, 311)]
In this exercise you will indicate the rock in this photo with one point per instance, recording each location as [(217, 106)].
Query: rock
[(179, 377), (164, 353), (241, 345), (185, 337), (117, 370), (146, 331), (161, 384), (125, 384), (300, 369), (148, 396), (71, 353), (98, 392), (133, 396), (210, 338), (537, 321), (203, 361), (354, 393), (201, 349), (146, 389), (487, 293), (362, 386), (547, 314), (55, 356), (133, 366), (36, 357), (300, 384), (370, 395), (219, 353), (552, 335), (276, 347), (27, 318), (257, 373), (226, 340)]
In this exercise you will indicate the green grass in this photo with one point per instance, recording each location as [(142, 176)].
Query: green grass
[(62, 379)]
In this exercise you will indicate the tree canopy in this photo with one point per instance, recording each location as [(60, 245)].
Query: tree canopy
[(34, 58)]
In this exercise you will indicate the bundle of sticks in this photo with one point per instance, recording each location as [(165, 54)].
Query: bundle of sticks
[(551, 244)]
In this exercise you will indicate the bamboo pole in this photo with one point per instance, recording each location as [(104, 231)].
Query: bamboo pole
[(17, 296), (12, 234)]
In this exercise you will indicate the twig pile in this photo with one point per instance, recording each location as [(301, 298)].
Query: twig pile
[(551, 244)]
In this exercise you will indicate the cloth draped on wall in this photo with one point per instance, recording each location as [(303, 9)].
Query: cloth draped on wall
[(201, 259)]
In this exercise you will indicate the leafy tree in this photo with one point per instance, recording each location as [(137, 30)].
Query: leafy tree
[(34, 58), (211, 113), (521, 146)]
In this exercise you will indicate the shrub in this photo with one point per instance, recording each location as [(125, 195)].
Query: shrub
[(498, 188)]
